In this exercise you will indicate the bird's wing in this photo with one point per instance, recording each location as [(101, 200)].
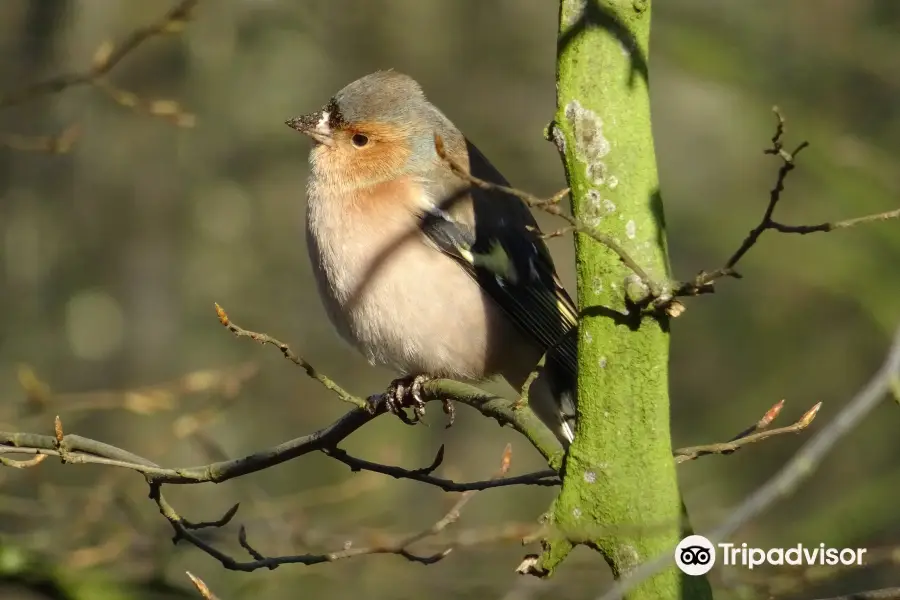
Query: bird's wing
[(495, 237)]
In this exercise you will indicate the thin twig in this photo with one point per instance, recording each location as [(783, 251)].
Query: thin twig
[(106, 58), (289, 354), (260, 561), (52, 144), (22, 464), (145, 400), (756, 433), (80, 450), (547, 478), (703, 282)]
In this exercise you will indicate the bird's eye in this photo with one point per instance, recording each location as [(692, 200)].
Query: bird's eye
[(359, 140)]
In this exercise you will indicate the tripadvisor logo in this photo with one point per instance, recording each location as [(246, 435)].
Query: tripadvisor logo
[(696, 555)]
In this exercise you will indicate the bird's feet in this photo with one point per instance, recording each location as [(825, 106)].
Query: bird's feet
[(406, 392)]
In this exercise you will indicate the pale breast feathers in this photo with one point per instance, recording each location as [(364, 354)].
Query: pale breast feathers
[(387, 289)]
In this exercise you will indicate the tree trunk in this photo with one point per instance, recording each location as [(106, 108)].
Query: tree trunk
[(620, 491)]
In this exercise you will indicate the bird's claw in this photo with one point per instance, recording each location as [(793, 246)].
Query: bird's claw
[(449, 410), (406, 392)]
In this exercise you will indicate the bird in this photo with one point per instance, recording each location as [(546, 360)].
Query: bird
[(422, 271)]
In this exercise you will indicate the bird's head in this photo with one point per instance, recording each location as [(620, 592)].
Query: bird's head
[(375, 129)]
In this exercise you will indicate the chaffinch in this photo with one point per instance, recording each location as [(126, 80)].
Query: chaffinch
[(419, 270)]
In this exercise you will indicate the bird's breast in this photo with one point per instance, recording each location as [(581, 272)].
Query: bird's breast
[(389, 293)]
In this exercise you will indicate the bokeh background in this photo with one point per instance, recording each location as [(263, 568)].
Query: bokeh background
[(113, 253)]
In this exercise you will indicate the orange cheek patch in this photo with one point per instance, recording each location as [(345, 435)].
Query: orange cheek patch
[(375, 172), (383, 159), (386, 154)]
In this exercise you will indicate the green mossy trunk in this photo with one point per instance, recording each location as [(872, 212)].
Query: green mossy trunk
[(620, 491)]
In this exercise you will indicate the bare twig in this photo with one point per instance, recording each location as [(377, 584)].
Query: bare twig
[(144, 400), (106, 58), (74, 449), (289, 354), (80, 450), (260, 561), (401, 547), (798, 469), (168, 110), (703, 282), (546, 478), (52, 144), (755, 433), (555, 233), (22, 464)]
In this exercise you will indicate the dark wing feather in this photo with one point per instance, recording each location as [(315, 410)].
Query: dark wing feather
[(496, 239)]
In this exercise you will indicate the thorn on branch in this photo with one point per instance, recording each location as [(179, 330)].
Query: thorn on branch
[(437, 462), (242, 540), (221, 522)]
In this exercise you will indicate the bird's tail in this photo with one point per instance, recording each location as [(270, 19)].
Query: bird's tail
[(553, 396)]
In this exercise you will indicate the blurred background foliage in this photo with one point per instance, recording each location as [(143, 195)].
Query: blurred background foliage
[(112, 254)]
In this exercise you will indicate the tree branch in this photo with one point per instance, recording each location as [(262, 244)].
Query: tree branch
[(75, 449), (516, 415), (289, 354), (184, 531), (755, 433), (547, 478), (106, 57), (703, 282)]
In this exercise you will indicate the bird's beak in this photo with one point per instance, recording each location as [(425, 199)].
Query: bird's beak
[(315, 125)]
